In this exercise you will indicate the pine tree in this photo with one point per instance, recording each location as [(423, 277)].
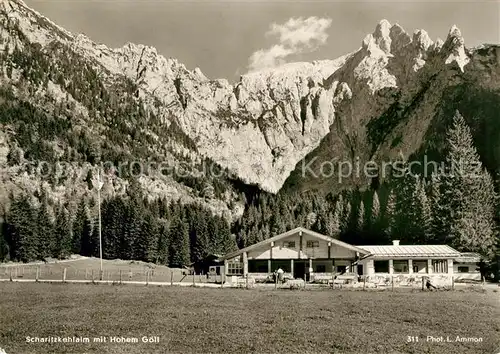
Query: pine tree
[(360, 222), (22, 229), (227, 241), (113, 221), (252, 236), (199, 238), (4, 241), (421, 214), (346, 217), (163, 244), (86, 242), (150, 237), (311, 220), (390, 216), (438, 222), (131, 238), (63, 234), (468, 195), (179, 243), (45, 229), (332, 224), (404, 224), (375, 215), (213, 235), (78, 225)]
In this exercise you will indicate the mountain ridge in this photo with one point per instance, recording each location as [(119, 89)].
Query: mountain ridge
[(263, 126)]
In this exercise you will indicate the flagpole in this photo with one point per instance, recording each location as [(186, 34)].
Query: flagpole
[(99, 185)]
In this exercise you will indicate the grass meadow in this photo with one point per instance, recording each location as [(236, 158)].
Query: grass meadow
[(89, 268), (202, 320)]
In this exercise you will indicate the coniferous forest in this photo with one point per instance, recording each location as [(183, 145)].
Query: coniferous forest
[(456, 205)]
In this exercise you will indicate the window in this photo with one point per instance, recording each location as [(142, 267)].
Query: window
[(320, 268), (289, 244), (419, 266), (341, 269), (381, 266), (463, 269), (234, 268), (312, 244), (257, 266), (400, 266), (440, 266)]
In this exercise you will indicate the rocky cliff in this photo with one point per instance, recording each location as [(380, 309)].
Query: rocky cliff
[(373, 103)]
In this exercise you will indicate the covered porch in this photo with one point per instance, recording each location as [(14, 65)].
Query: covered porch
[(300, 253), (307, 269)]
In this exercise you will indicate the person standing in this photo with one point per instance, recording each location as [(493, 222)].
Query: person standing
[(280, 273)]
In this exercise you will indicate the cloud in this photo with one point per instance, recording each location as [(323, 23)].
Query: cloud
[(296, 36)]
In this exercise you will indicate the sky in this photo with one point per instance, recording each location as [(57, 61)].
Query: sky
[(227, 38)]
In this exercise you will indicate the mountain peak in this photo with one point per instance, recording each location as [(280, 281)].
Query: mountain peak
[(383, 27), (382, 36), (454, 38), (422, 40), (454, 45), (454, 32)]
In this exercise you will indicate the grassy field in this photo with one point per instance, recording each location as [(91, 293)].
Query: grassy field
[(198, 320), (85, 268)]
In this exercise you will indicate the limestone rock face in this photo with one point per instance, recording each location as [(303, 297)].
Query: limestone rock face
[(262, 126)]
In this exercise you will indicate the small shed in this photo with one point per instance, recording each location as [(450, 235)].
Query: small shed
[(468, 266), (208, 265)]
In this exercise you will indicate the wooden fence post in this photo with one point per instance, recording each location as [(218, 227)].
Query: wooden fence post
[(276, 282), (147, 277), (364, 282), (92, 276), (64, 275), (37, 270), (120, 276), (452, 282), (392, 281), (10, 276), (422, 283), (193, 279), (171, 277), (246, 281)]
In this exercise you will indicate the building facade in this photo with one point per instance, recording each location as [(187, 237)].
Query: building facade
[(300, 253), (308, 255)]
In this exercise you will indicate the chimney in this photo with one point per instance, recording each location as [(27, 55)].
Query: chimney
[(395, 242)]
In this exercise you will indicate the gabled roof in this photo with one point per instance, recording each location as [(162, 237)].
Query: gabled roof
[(438, 251), (290, 233)]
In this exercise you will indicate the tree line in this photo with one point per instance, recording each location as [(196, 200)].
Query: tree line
[(132, 227), (456, 204)]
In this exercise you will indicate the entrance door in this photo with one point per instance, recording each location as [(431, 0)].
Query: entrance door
[(360, 269), (299, 270)]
